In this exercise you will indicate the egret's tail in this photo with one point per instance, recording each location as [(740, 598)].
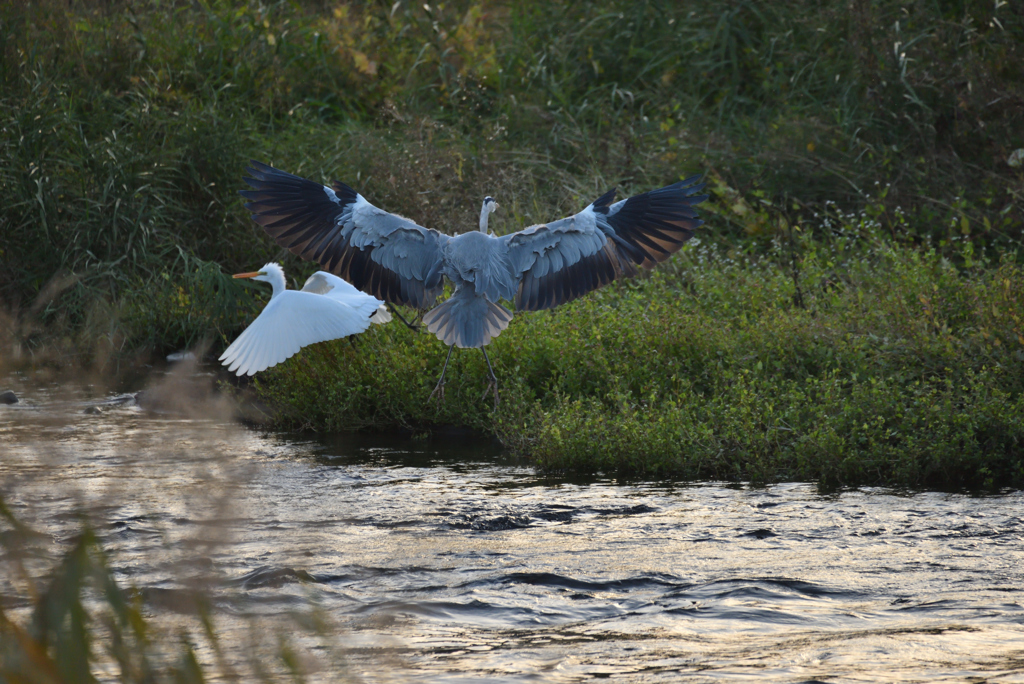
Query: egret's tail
[(381, 315), (467, 320)]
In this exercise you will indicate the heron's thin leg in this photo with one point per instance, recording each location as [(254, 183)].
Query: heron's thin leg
[(439, 388), (412, 326), (352, 340), (494, 379)]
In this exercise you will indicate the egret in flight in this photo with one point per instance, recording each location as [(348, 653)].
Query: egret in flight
[(326, 308), (537, 268)]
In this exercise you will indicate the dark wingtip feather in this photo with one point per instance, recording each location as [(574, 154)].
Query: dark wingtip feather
[(646, 229), (604, 200), (656, 224), (301, 217)]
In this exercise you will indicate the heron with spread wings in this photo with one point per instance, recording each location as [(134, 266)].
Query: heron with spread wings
[(540, 267)]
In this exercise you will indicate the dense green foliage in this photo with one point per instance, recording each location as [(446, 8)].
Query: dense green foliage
[(794, 342), (875, 365), (125, 128)]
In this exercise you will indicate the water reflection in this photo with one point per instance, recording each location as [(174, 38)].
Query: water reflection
[(439, 559)]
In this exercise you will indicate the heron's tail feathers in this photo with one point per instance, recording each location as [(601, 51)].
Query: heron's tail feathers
[(467, 320)]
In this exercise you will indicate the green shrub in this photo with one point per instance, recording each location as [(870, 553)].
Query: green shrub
[(900, 370), (125, 127)]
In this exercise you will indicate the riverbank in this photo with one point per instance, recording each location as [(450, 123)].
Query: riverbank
[(852, 362)]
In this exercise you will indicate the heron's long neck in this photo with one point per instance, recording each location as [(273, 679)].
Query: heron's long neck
[(484, 214)]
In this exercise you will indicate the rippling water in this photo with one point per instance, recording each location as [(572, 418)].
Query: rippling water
[(440, 560)]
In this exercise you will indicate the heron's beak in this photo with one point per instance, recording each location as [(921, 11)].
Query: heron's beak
[(249, 275)]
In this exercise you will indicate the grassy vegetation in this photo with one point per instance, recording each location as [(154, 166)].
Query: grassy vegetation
[(861, 259), (125, 128)]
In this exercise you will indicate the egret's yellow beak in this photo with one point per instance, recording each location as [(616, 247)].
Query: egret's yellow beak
[(249, 275)]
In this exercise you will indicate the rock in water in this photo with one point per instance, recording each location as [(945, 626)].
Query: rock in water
[(8, 397)]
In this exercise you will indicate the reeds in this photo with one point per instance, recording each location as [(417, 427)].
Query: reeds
[(72, 605)]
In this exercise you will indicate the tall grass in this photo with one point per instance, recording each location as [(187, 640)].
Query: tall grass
[(125, 128), (75, 552), (77, 622)]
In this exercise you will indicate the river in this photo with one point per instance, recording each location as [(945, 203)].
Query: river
[(440, 559)]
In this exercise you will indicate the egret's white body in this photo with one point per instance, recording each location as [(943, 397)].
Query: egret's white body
[(326, 308)]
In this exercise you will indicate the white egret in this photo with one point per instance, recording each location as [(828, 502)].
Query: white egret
[(326, 308)]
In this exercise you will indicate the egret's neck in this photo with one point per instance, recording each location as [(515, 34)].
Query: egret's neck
[(484, 214), (276, 279)]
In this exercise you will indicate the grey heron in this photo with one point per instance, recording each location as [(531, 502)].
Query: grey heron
[(326, 308), (537, 268)]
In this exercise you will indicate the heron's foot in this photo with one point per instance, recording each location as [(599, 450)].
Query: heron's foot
[(492, 386), (439, 392), (411, 326), (439, 388)]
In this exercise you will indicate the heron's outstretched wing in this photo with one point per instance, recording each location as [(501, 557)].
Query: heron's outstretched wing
[(557, 262), (291, 321), (384, 254)]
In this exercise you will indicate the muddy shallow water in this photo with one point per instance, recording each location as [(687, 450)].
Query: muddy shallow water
[(439, 559)]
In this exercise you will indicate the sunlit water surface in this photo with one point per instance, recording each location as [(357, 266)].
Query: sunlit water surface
[(438, 560)]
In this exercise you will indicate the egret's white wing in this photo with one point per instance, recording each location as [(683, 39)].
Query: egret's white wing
[(381, 253), (332, 286), (326, 283), (291, 321), (381, 316)]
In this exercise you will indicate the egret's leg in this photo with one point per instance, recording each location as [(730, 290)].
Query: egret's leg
[(494, 380), (439, 388), (412, 326)]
